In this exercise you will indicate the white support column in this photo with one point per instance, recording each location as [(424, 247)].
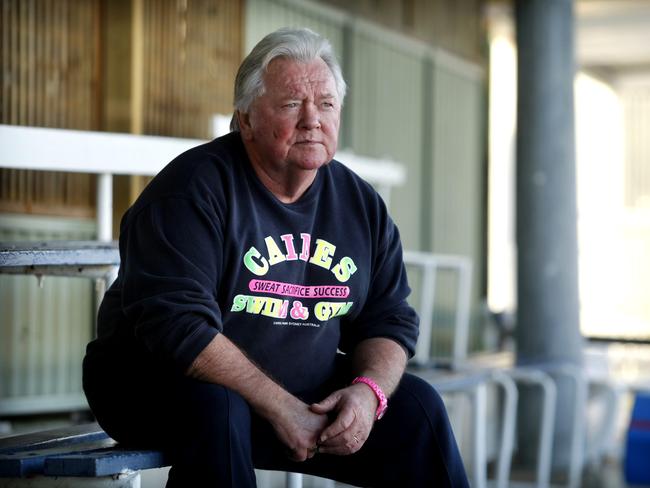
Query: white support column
[(105, 207), (104, 229)]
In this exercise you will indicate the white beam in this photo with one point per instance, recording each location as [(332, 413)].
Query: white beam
[(86, 151)]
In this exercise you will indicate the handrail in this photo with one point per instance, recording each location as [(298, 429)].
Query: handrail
[(430, 264)]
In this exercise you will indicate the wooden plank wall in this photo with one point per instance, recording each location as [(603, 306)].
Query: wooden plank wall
[(182, 63), (57, 65), (50, 70), (191, 52)]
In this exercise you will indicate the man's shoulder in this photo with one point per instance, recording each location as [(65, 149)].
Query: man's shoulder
[(344, 174), (200, 174), (344, 178), (221, 152)]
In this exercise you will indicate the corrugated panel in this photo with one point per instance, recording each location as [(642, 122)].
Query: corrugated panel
[(44, 330), (384, 118), (265, 16), (457, 180)]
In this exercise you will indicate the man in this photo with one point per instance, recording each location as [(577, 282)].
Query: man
[(259, 318)]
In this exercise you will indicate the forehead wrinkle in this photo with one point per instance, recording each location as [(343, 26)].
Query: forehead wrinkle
[(309, 77)]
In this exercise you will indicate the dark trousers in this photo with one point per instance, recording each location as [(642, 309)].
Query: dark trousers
[(214, 439)]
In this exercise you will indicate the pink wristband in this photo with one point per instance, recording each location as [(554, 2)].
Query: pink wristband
[(381, 398)]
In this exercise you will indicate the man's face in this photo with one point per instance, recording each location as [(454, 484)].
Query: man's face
[(295, 123)]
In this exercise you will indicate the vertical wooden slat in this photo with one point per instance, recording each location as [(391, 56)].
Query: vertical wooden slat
[(136, 67), (20, 66), (46, 63), (14, 50), (4, 31), (98, 71), (169, 75), (154, 67), (30, 118), (37, 41), (58, 52)]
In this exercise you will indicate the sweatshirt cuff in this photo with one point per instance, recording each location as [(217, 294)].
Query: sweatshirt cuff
[(192, 345)]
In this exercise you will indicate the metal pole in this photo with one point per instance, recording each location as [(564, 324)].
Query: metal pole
[(547, 311)]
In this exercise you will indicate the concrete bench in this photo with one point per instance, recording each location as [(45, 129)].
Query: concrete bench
[(84, 455)]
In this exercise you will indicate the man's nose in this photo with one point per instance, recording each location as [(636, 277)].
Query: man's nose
[(310, 117)]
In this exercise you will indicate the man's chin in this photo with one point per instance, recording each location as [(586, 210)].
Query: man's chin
[(312, 161), (311, 165)]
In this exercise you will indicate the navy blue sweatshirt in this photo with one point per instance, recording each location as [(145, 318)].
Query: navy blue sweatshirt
[(208, 249)]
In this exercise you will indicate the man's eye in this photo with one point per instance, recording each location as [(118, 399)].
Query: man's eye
[(328, 105), (291, 105)]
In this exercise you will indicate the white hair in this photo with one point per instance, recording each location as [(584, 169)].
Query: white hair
[(303, 45)]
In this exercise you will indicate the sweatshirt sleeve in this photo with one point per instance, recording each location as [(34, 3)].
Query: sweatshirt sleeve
[(171, 257), (386, 312)]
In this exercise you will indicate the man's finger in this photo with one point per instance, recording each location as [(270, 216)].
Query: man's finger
[(343, 421), (341, 448), (326, 405), (298, 455)]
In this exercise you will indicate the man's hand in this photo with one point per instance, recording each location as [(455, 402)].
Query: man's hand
[(222, 363), (299, 428), (355, 408)]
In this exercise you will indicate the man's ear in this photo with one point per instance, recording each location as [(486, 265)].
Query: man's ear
[(245, 128)]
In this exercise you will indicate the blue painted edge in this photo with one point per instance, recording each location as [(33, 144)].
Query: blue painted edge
[(76, 434), (30, 462), (104, 462), (19, 468)]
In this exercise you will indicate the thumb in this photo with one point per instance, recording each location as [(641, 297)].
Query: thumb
[(326, 405)]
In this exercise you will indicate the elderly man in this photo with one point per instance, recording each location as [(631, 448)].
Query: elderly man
[(259, 318)]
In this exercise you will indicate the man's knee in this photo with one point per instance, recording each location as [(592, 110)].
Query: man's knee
[(420, 409), (420, 395)]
